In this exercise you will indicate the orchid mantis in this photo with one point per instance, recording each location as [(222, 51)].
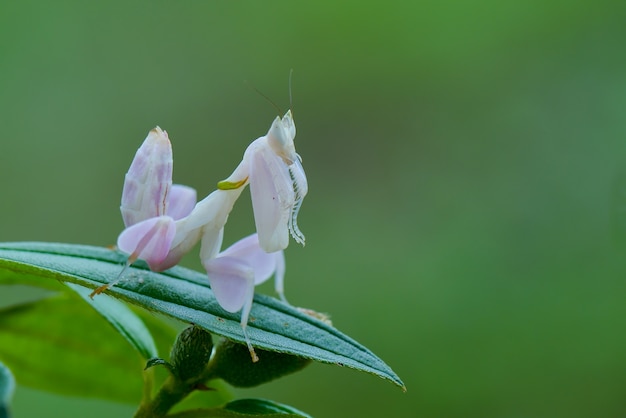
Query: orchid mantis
[(277, 186), (163, 220)]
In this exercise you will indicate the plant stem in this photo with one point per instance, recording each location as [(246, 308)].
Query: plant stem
[(172, 392)]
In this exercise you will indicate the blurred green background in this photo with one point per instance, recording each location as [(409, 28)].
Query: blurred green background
[(466, 216)]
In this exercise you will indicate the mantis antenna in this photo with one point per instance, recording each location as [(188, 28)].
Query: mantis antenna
[(290, 97), (253, 87), (260, 93)]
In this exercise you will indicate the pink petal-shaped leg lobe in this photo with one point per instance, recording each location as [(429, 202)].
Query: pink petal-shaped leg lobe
[(248, 249), (182, 200), (149, 240), (232, 281)]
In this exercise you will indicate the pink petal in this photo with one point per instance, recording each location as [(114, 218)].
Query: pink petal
[(232, 282), (178, 250), (148, 180), (149, 240), (182, 200)]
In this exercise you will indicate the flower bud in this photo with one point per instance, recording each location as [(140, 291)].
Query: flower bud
[(232, 363), (191, 352)]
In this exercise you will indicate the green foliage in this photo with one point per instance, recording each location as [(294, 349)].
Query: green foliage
[(61, 345), (183, 294), (60, 338)]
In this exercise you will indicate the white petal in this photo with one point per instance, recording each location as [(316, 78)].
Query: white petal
[(272, 195), (232, 282)]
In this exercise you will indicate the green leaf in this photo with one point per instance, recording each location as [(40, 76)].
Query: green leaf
[(123, 320), (61, 345), (158, 362), (263, 407), (7, 386), (245, 408), (185, 294)]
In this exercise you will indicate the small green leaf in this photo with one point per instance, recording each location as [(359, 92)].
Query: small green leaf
[(263, 407), (7, 386), (158, 362), (245, 408), (123, 320), (61, 345), (185, 294)]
